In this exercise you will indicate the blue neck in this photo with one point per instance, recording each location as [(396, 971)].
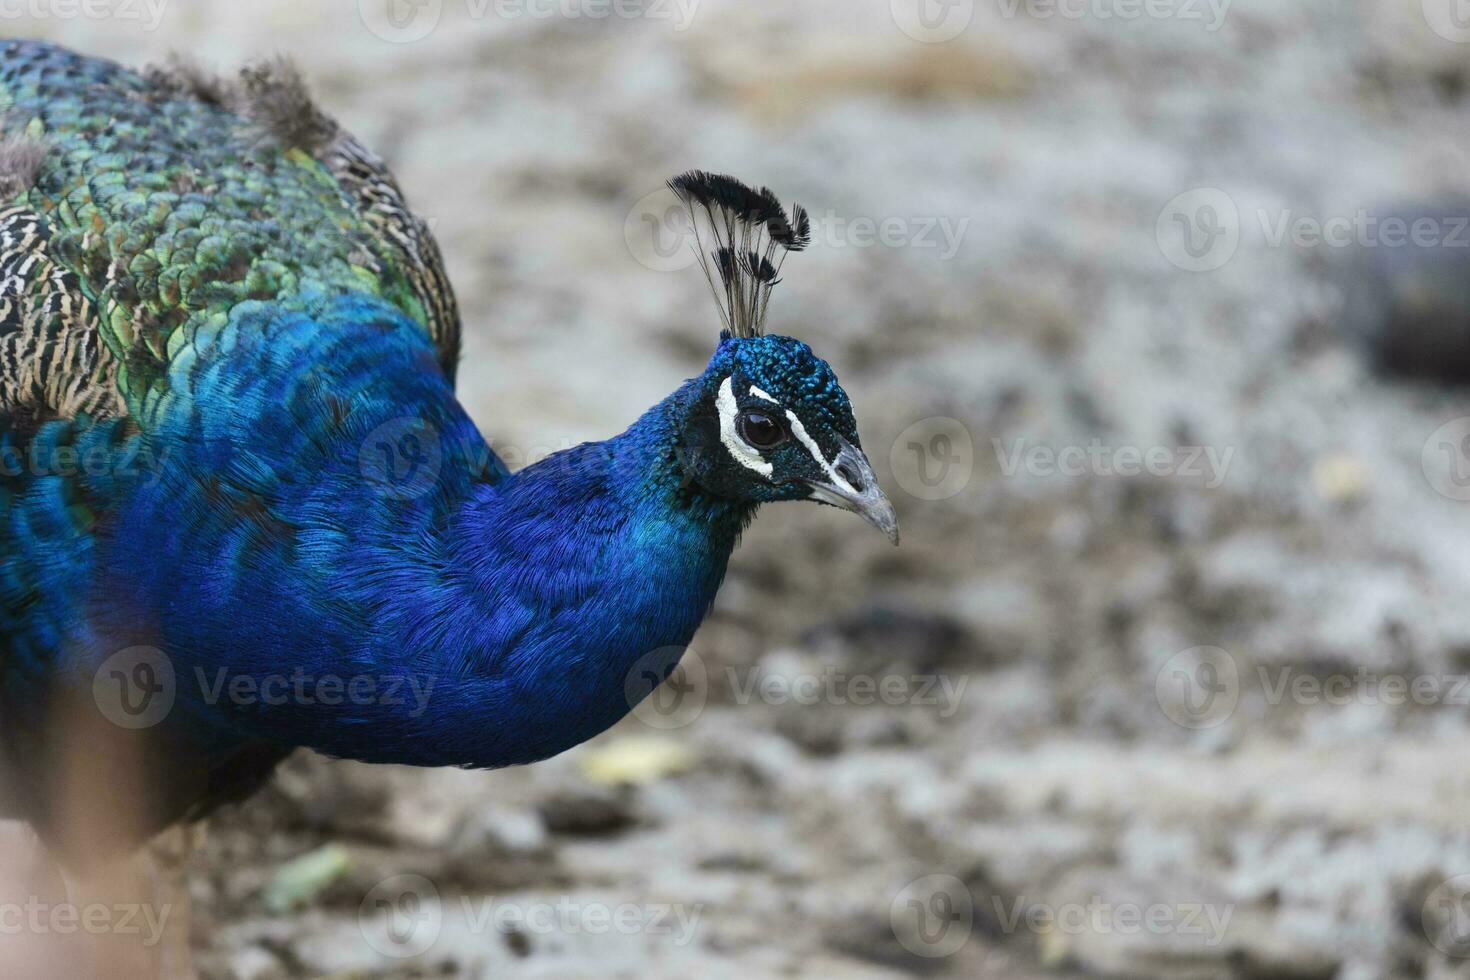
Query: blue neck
[(578, 572), (504, 612)]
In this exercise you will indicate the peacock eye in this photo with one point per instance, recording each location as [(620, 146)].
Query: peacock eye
[(761, 430)]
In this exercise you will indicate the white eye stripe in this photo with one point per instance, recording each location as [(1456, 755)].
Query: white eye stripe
[(757, 393), (744, 454), (799, 430)]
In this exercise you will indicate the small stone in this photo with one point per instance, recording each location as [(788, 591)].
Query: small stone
[(881, 636), (816, 731), (1408, 306), (255, 963), (496, 830), (1340, 478), (635, 759), (588, 811), (298, 883)]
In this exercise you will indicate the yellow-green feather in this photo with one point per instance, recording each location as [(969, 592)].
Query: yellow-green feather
[(160, 206)]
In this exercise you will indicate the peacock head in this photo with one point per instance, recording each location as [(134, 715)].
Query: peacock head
[(769, 420)]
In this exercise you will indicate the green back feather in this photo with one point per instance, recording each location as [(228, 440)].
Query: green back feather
[(163, 199)]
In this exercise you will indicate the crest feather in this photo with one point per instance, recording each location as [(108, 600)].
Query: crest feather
[(751, 233)]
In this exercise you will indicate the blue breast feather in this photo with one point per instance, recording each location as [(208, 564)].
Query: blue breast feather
[(309, 509)]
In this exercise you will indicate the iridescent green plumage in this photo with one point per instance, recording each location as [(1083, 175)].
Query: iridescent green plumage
[(164, 199)]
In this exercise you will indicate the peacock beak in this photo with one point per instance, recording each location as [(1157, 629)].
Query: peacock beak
[(853, 487)]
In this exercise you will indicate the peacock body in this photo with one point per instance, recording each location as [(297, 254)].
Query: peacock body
[(232, 454)]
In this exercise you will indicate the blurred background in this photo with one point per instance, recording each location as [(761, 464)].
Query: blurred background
[(1157, 332)]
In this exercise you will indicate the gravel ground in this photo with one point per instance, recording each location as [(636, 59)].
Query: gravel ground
[(1168, 676)]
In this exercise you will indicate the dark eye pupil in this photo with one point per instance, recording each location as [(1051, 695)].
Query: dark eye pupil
[(760, 429)]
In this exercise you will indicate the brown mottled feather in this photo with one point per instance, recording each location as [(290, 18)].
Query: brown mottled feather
[(54, 361)]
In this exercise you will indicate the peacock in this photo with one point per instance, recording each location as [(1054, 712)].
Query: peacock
[(239, 498)]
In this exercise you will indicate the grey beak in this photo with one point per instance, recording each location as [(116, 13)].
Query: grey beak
[(857, 490)]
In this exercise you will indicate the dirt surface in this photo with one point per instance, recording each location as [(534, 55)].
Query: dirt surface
[(1167, 677)]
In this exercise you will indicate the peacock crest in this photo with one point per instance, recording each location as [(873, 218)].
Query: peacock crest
[(750, 234)]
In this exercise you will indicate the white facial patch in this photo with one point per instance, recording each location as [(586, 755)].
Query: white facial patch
[(730, 436), (799, 430), (757, 393)]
